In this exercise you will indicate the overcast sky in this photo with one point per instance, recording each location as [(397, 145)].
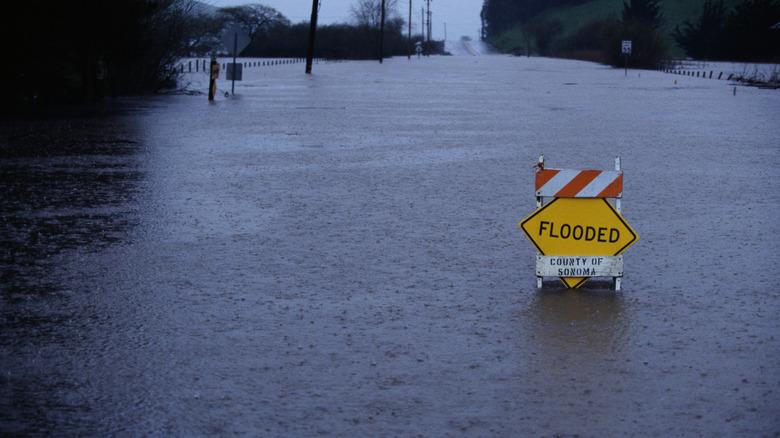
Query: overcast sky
[(462, 16)]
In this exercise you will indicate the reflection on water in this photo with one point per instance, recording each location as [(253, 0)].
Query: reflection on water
[(63, 185), (589, 322), (66, 187), (572, 339)]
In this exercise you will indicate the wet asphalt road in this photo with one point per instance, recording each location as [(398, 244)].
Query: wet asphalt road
[(338, 254)]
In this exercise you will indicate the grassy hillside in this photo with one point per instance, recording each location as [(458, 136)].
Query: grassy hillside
[(573, 18)]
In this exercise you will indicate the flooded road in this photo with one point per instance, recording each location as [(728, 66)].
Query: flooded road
[(339, 254)]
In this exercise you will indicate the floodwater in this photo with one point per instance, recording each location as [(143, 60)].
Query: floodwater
[(339, 254)]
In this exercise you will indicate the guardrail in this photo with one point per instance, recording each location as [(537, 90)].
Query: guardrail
[(201, 65), (697, 73), (770, 83)]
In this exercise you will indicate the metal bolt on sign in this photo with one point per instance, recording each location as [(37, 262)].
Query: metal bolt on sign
[(578, 233)]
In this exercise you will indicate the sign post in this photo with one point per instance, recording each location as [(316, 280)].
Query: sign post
[(625, 49), (235, 52), (579, 234), (235, 39)]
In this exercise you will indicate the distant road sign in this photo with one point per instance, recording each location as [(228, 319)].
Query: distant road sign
[(237, 38), (578, 227), (626, 47)]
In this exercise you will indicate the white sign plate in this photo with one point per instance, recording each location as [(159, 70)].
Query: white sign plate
[(579, 266), (235, 72), (626, 47)]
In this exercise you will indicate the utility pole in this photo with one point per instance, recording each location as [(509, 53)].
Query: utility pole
[(235, 49), (409, 37), (430, 27), (382, 33), (422, 23), (315, 6), (445, 31), (482, 27)]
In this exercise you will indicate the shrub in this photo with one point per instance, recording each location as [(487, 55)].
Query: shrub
[(78, 51)]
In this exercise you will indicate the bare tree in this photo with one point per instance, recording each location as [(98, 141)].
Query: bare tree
[(255, 18), (368, 13), (203, 33)]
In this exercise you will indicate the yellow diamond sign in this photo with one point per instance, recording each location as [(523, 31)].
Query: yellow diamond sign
[(578, 227)]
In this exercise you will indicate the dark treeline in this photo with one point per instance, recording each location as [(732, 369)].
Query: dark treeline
[(60, 51), (640, 22), (82, 50), (335, 41), (272, 34), (599, 40), (502, 15), (742, 33)]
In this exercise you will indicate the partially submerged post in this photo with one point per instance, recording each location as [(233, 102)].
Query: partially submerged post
[(625, 48), (235, 39), (213, 76)]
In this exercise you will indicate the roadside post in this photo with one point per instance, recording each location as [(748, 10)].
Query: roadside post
[(579, 234), (213, 76), (235, 39), (625, 49)]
